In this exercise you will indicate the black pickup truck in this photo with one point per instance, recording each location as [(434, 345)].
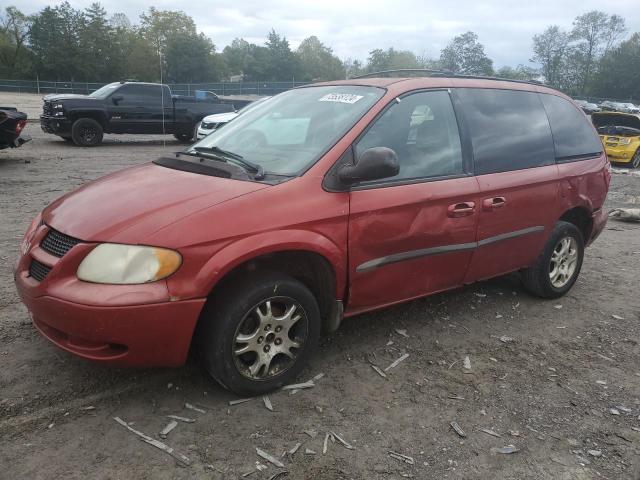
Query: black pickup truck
[(126, 107)]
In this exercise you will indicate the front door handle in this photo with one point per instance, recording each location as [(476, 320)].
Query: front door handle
[(462, 209), (490, 204)]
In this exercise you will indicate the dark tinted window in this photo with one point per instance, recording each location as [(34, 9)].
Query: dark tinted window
[(423, 131), (572, 135), (144, 94), (509, 129)]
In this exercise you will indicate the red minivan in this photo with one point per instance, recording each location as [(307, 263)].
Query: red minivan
[(321, 203)]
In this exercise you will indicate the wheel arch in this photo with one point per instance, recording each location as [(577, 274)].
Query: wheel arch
[(309, 257), (580, 217), (96, 115)]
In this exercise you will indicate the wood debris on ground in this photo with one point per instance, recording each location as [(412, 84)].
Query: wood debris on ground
[(194, 408), (269, 458), (181, 419), (397, 362), (167, 429), (403, 458), (456, 428), (156, 443)]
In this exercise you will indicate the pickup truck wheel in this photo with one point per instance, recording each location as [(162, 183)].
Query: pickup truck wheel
[(558, 266), (257, 335), (184, 137), (86, 132)]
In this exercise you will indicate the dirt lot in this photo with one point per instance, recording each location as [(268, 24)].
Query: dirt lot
[(565, 391)]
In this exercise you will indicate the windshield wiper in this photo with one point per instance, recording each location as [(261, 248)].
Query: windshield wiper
[(256, 168)]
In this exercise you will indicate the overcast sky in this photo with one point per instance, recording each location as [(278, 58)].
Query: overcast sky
[(354, 27)]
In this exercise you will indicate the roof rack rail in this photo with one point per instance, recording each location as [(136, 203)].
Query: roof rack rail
[(442, 73), (405, 70)]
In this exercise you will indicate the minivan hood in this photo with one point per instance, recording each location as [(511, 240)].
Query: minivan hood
[(129, 205), (605, 119)]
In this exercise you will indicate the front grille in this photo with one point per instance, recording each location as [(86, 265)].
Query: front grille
[(57, 243), (38, 270), (46, 109)]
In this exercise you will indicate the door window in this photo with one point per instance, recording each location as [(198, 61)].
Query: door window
[(422, 129), (509, 129), (141, 95)]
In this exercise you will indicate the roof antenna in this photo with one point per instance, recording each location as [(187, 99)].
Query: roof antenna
[(164, 135)]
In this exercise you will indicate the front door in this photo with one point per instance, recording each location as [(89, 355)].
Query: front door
[(415, 233), (139, 109)]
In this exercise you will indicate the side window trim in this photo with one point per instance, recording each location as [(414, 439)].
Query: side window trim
[(467, 164)]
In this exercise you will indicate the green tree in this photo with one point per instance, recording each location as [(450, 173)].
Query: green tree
[(550, 50), (593, 34), (55, 42), (237, 56), (283, 64), (466, 55), (191, 58), (317, 61), (353, 67), (392, 59), (157, 26), (15, 58), (101, 60), (619, 71), (521, 72)]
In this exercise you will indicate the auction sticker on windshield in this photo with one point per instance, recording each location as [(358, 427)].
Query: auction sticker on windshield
[(341, 98)]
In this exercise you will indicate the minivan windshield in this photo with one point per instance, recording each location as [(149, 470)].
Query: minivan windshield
[(105, 91), (291, 131)]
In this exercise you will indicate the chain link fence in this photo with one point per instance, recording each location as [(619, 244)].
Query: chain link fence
[(220, 88)]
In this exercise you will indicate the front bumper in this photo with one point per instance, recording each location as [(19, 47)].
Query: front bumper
[(55, 125), (201, 133), (120, 325)]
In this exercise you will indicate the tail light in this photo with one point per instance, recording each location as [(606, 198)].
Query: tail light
[(20, 125)]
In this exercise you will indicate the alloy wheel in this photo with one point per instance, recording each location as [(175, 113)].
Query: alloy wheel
[(269, 338), (564, 261)]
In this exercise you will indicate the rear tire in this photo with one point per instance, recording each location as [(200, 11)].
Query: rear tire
[(87, 132), (558, 266), (256, 335)]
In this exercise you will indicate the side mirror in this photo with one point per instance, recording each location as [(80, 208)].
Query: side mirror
[(374, 164), (117, 99)]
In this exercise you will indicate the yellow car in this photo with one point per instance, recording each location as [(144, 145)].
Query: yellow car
[(620, 134)]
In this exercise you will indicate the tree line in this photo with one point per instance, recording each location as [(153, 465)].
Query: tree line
[(63, 43)]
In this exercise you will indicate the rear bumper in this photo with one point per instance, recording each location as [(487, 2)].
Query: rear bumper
[(599, 220), (136, 335), (57, 126)]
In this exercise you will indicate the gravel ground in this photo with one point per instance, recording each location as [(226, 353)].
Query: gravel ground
[(549, 392)]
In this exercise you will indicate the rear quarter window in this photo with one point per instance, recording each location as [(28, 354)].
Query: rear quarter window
[(573, 137), (509, 129)]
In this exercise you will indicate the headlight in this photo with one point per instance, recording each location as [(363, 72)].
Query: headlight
[(624, 141), (58, 106), (128, 264)]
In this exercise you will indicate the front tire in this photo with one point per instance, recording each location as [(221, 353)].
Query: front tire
[(87, 132), (183, 137), (558, 266), (258, 334), (635, 161)]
